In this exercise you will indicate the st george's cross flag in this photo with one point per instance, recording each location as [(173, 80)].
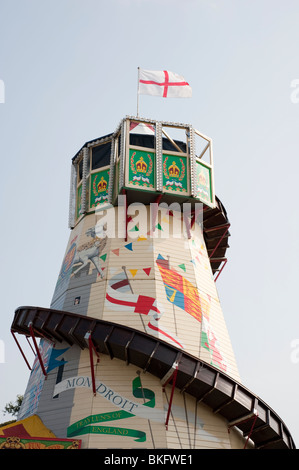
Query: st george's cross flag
[(163, 83)]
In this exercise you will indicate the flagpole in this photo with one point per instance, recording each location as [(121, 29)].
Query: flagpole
[(137, 92), (125, 271)]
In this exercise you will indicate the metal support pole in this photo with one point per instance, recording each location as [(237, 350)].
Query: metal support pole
[(174, 376), (92, 367), (250, 432), (196, 213), (14, 337), (219, 241), (91, 349), (30, 344), (218, 227), (37, 350), (224, 263), (138, 78), (253, 415)]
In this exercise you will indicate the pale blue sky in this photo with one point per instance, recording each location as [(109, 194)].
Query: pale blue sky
[(70, 74)]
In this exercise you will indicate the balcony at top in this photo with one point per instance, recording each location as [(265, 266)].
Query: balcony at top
[(147, 160)]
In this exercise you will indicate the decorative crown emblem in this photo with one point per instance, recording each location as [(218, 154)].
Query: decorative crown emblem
[(174, 170), (141, 166), (102, 185)]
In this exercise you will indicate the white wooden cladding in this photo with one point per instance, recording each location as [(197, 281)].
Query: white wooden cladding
[(136, 258)]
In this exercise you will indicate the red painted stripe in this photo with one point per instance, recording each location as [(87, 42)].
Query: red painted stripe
[(120, 302), (119, 284), (163, 332), (151, 82), (143, 305)]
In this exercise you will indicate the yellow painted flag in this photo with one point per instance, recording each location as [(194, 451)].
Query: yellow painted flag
[(179, 290)]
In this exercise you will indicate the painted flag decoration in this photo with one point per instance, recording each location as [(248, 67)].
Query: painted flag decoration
[(179, 290), (117, 297), (181, 293), (211, 344), (120, 282), (141, 304), (163, 83)]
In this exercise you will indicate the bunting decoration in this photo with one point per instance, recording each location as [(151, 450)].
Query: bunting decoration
[(123, 276), (133, 272)]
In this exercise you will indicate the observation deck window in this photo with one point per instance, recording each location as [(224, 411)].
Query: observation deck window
[(80, 170), (141, 140), (100, 156)]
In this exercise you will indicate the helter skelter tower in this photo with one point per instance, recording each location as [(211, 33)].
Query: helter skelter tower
[(134, 351)]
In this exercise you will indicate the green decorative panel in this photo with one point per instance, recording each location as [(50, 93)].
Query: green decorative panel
[(87, 191), (203, 183), (141, 169), (99, 184), (78, 202), (15, 442), (175, 174)]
